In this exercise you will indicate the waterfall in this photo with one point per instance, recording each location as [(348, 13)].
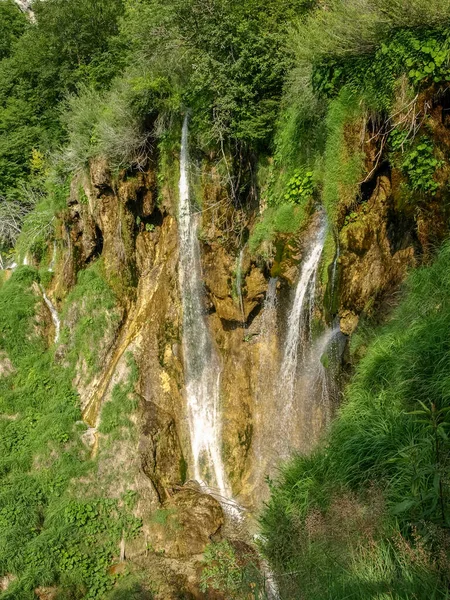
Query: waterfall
[(304, 298), (53, 312), (202, 365), (53, 261), (239, 285)]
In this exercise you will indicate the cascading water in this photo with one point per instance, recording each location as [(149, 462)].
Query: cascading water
[(54, 313), (202, 365), (304, 297), (53, 261)]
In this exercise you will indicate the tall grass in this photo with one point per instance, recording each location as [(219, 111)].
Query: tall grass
[(385, 463), (354, 27)]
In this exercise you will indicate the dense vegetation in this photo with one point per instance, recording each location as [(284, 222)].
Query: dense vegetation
[(368, 514), (57, 524)]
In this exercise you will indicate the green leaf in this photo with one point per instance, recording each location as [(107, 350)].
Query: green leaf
[(403, 506)]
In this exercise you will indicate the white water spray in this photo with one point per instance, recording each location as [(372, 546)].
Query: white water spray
[(53, 261), (54, 313), (304, 294), (202, 365)]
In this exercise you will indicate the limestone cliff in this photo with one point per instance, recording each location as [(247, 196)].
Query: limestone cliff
[(129, 222)]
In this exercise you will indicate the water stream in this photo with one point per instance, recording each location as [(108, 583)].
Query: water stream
[(202, 365), (54, 313), (53, 261), (299, 319)]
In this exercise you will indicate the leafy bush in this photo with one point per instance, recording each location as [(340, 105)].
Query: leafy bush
[(108, 125), (419, 164)]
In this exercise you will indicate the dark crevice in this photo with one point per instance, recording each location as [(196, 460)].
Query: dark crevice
[(368, 187), (155, 219), (401, 232), (97, 248)]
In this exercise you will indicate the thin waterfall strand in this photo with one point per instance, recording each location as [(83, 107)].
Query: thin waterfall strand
[(304, 295), (54, 313), (202, 365)]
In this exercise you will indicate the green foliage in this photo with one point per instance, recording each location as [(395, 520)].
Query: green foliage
[(68, 45), (52, 530), (300, 187), (249, 64), (44, 197), (92, 307), (422, 56), (12, 25), (115, 413), (230, 573), (108, 124), (368, 513), (419, 165)]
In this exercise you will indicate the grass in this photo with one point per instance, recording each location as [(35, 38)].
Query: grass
[(343, 157), (54, 530), (368, 514), (115, 413), (89, 315)]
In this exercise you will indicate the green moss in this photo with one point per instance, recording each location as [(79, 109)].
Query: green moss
[(92, 308), (284, 220), (343, 159)]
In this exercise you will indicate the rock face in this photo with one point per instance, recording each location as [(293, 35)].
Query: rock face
[(161, 456), (375, 256), (186, 523)]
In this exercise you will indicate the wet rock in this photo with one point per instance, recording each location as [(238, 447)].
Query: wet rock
[(256, 285)]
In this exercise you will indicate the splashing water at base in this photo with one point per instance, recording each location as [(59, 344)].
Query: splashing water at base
[(202, 365)]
